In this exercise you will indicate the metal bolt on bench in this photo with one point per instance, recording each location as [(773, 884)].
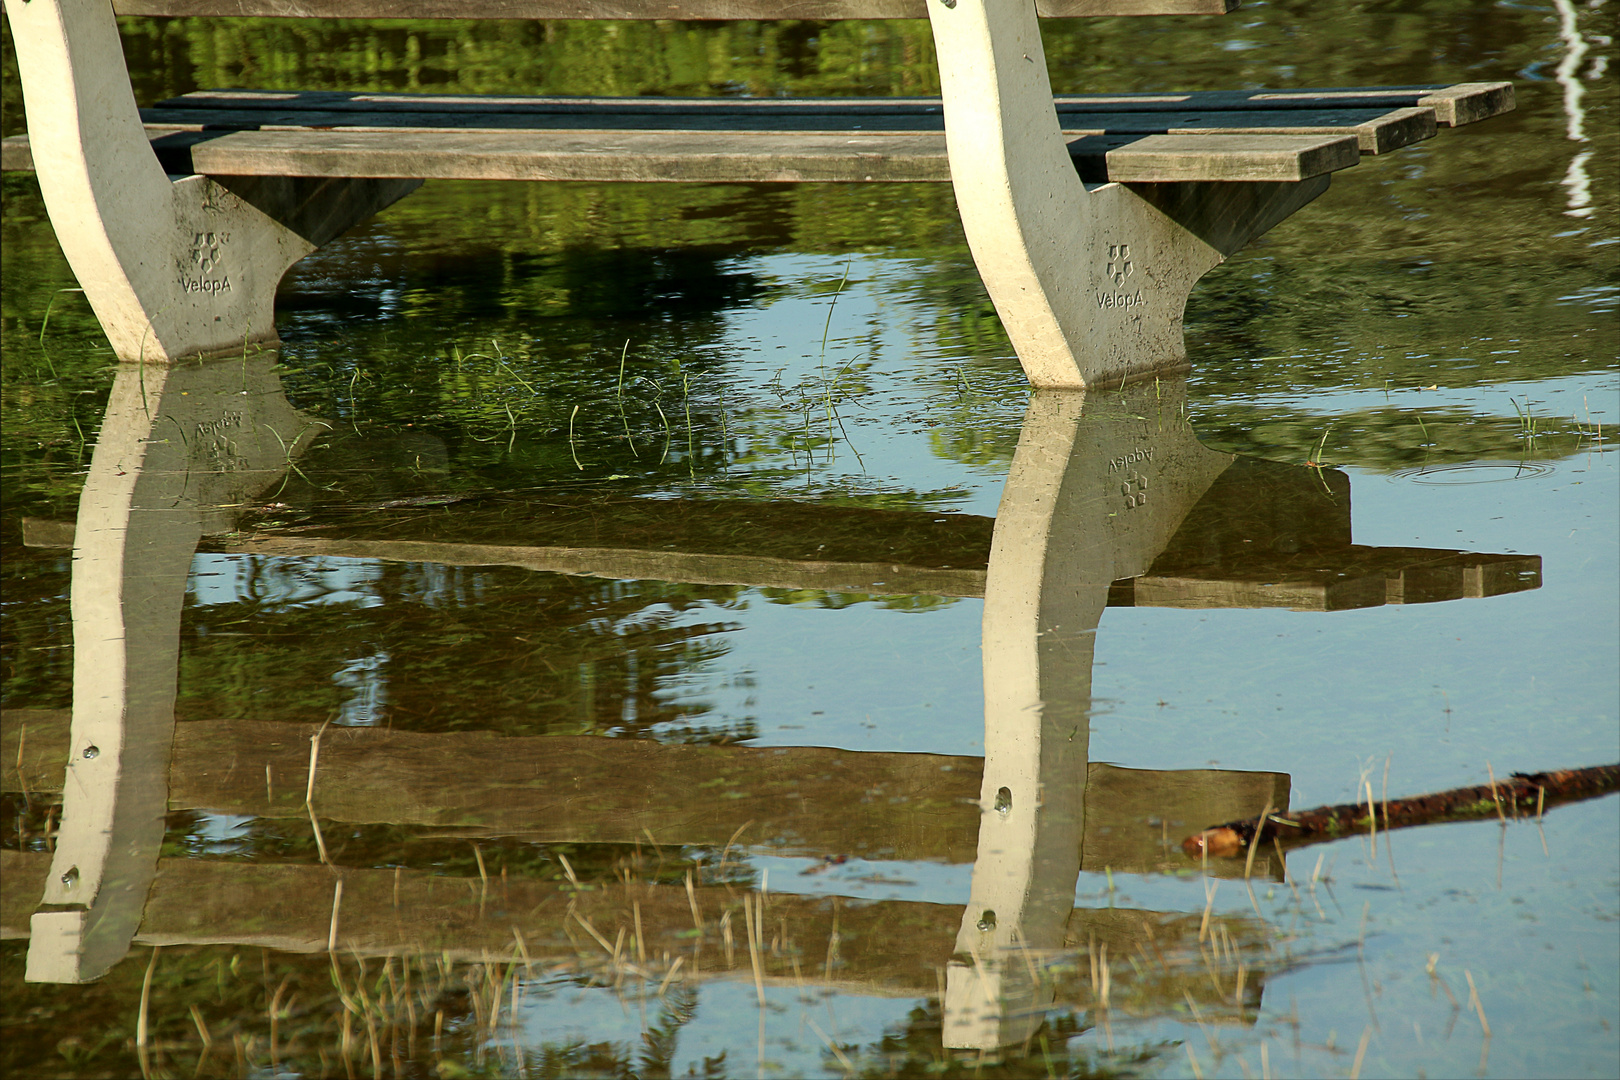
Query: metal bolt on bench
[(1089, 217)]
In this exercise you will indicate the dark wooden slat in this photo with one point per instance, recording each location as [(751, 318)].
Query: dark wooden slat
[(694, 10), (1377, 131), (1453, 106), (1463, 103)]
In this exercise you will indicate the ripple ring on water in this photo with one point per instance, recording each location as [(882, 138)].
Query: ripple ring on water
[(1484, 472)]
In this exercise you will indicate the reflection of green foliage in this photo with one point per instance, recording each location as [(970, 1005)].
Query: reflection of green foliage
[(291, 840), (1387, 440), (835, 601), (90, 1030), (36, 650), (488, 648)]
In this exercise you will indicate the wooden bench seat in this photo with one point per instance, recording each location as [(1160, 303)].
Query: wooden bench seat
[(1215, 136), (1090, 217)]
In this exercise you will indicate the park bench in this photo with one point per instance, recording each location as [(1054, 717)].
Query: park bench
[(1090, 217)]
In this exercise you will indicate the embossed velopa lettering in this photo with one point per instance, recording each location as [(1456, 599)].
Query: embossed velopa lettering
[(1121, 299), (1144, 454), (214, 427), (206, 285)]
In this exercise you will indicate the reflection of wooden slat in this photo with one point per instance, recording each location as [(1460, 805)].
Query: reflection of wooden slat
[(1280, 571), (1131, 813), (1353, 577), (695, 567), (886, 947), (801, 800)]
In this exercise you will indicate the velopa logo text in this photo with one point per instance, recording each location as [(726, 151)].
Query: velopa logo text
[(1135, 456), (206, 285), (1121, 299)]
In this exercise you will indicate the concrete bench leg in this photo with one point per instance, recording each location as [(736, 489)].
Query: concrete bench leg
[(1090, 282), (182, 447), (173, 267)]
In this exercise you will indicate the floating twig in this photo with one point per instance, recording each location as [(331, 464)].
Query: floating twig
[(1527, 790)]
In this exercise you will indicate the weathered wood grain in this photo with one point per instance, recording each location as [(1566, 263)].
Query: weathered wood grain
[(1171, 158), (691, 10), (686, 157), (600, 157), (335, 134), (1378, 131)]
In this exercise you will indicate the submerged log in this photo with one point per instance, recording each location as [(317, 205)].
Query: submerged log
[(1527, 792)]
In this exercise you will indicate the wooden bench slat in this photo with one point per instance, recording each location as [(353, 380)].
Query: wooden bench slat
[(1175, 158), (1377, 131), (1453, 106), (636, 10), (632, 156), (1463, 103), (686, 156)]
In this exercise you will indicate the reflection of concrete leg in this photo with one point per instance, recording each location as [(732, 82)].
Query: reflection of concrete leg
[(1090, 285), (179, 447), (172, 268), (1096, 489)]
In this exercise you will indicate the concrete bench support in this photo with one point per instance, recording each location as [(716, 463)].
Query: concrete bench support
[(172, 266), (1090, 282)]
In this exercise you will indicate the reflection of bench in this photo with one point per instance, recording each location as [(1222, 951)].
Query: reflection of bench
[(1090, 282), (1264, 535), (875, 948)]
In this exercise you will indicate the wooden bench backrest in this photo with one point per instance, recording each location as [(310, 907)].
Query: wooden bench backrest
[(694, 10)]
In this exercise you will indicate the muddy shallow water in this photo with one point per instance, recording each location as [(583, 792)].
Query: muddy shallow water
[(722, 665)]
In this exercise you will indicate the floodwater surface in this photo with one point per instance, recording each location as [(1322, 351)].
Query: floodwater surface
[(656, 631)]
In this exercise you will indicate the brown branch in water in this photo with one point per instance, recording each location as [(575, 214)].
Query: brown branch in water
[(1529, 792)]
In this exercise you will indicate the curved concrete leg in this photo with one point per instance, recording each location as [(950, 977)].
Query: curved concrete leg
[(172, 267), (1090, 284), (1097, 488), (181, 448)]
